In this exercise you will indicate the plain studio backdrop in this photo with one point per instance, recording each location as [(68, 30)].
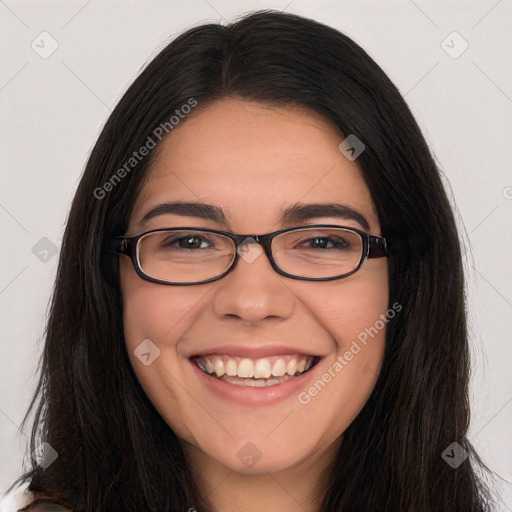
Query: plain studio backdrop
[(66, 64)]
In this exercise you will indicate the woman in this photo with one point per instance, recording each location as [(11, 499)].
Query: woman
[(260, 298)]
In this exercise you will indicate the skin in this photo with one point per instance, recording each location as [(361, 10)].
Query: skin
[(253, 160)]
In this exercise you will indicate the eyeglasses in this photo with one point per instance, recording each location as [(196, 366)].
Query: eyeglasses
[(191, 255)]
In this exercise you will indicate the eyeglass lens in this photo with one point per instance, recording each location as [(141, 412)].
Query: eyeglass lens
[(188, 255)]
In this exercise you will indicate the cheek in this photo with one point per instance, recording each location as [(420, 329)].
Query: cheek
[(153, 311), (354, 313), (161, 314), (350, 306)]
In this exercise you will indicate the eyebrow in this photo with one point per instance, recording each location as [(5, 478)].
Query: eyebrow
[(296, 214)]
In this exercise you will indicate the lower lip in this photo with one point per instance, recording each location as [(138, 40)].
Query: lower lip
[(248, 395)]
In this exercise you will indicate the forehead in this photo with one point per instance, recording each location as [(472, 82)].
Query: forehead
[(254, 160)]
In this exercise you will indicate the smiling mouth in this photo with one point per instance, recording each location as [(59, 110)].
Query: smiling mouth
[(260, 372)]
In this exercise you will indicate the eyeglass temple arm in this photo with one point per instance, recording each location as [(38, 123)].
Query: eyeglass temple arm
[(377, 247), (121, 245)]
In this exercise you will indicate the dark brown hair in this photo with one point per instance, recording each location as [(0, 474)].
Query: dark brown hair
[(115, 452)]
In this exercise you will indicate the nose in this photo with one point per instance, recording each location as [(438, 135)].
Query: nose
[(253, 291)]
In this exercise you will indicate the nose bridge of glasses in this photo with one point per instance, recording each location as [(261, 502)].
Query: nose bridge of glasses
[(245, 243)]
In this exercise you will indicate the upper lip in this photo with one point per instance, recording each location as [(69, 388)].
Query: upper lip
[(253, 352)]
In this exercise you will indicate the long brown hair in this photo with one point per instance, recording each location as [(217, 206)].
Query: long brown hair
[(115, 452)]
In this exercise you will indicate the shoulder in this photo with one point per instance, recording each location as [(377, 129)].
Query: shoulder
[(39, 502)]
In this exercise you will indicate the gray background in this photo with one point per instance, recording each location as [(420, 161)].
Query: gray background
[(54, 107)]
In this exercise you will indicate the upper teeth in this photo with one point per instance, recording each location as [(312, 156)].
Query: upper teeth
[(275, 366)]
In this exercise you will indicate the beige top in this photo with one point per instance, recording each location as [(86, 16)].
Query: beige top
[(41, 502)]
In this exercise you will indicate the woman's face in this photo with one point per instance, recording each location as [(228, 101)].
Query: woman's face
[(252, 162)]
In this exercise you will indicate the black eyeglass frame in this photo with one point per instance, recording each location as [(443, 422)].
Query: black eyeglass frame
[(374, 246)]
